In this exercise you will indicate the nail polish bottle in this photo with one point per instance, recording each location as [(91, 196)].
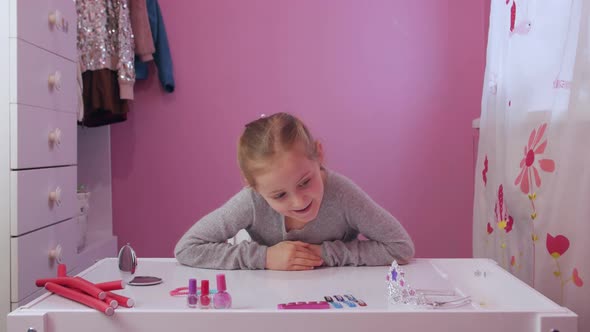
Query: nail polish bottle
[(221, 299), (191, 298), (205, 299)]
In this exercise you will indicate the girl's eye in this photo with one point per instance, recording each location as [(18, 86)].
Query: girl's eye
[(279, 196), (304, 183)]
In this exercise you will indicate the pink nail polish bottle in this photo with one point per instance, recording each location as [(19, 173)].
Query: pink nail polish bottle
[(221, 299), (191, 298), (205, 299)]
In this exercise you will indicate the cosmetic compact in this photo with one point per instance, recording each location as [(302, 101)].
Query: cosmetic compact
[(127, 266)]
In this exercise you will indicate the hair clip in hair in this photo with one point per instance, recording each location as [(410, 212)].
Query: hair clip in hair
[(262, 115)]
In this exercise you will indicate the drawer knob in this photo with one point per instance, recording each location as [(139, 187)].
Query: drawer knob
[(55, 196), (55, 254), (56, 19), (55, 137), (54, 81)]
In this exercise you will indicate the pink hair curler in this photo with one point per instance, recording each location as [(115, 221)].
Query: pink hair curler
[(112, 302), (75, 282), (79, 297), (62, 270), (105, 286), (90, 288), (111, 285), (123, 300), (58, 280)]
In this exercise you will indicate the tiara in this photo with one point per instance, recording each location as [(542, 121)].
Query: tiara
[(399, 289), (400, 292)]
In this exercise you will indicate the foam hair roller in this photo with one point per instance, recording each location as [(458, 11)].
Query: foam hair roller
[(80, 297)]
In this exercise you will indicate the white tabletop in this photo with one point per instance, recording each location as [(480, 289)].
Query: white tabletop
[(498, 298)]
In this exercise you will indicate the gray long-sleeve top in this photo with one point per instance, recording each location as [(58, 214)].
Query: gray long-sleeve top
[(345, 211)]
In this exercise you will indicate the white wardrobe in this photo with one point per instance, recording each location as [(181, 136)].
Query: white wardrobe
[(44, 156)]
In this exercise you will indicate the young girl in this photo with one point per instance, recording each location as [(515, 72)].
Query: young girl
[(299, 214)]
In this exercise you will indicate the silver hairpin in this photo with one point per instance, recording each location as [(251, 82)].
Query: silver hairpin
[(262, 115)]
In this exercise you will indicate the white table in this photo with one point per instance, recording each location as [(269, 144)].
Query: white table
[(501, 302)]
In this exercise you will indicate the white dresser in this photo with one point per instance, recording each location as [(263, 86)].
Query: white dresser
[(38, 150)]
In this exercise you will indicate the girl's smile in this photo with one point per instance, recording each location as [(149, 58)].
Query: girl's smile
[(305, 209)]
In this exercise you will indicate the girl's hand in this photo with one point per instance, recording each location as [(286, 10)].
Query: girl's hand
[(292, 256), (316, 249)]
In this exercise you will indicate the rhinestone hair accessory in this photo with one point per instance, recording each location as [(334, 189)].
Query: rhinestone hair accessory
[(399, 290)]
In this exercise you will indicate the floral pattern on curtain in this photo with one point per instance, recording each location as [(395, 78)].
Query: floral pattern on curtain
[(532, 185)]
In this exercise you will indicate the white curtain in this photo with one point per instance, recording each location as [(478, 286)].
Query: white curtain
[(532, 184)]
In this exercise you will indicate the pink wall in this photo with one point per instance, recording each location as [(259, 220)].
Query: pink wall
[(390, 87)]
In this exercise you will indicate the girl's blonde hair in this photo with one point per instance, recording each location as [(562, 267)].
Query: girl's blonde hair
[(262, 139)]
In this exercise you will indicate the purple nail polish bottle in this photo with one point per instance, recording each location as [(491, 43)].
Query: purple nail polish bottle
[(221, 299), (191, 298)]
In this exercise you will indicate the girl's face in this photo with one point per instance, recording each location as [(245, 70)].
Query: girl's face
[(292, 185)]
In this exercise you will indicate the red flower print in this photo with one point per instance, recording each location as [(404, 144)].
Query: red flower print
[(509, 224), (490, 229), (484, 173), (527, 164), (576, 278), (557, 246), (503, 220), (513, 261)]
